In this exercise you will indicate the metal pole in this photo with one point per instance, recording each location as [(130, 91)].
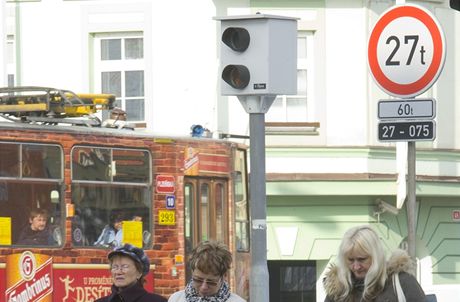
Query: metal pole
[(410, 205), (259, 283)]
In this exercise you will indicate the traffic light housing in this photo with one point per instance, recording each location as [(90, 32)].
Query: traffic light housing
[(258, 55)]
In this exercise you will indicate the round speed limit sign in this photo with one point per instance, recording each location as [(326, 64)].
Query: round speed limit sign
[(406, 50)]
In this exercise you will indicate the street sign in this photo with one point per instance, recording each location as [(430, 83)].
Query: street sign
[(165, 184), (407, 109), (406, 131), (406, 50)]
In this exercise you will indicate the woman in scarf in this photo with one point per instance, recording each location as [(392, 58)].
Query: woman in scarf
[(209, 262)]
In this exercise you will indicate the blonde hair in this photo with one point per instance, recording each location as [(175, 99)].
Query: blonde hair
[(211, 257), (363, 240)]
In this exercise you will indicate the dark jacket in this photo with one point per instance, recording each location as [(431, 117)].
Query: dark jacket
[(31, 237), (399, 263), (135, 293)]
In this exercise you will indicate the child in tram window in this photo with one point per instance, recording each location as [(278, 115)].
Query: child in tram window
[(108, 235), (37, 232)]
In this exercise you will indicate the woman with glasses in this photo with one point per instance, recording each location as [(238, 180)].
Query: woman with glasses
[(129, 266), (210, 262)]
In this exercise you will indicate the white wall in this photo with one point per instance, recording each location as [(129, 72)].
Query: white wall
[(179, 52)]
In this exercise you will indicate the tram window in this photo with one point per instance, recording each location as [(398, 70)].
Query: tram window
[(30, 186), (220, 213), (108, 191), (9, 160), (241, 215), (189, 201), (91, 164), (105, 164), (241, 204), (130, 166), (204, 189)]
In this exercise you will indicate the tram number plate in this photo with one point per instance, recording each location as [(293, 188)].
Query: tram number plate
[(407, 131), (166, 217)]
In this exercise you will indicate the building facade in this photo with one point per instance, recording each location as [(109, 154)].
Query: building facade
[(326, 168)]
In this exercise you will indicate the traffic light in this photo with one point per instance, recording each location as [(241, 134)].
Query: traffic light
[(258, 55), (455, 4)]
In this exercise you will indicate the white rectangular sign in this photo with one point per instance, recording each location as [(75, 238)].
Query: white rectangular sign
[(407, 109)]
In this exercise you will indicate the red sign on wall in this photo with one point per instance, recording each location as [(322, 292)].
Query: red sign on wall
[(165, 184)]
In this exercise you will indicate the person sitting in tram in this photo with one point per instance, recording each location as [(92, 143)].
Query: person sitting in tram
[(108, 236), (37, 231)]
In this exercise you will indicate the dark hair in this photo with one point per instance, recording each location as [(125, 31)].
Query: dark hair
[(114, 218)]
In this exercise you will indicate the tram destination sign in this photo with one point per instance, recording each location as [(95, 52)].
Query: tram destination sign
[(407, 109), (407, 130)]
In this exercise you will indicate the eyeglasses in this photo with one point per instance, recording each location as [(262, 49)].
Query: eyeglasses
[(210, 283), (124, 268)]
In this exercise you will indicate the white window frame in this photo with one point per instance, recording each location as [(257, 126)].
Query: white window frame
[(122, 65), (302, 64)]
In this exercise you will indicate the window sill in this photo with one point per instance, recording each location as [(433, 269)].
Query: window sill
[(292, 128)]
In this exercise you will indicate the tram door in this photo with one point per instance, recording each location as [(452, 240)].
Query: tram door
[(206, 212)]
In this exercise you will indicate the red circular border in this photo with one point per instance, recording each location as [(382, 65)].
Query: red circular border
[(438, 49)]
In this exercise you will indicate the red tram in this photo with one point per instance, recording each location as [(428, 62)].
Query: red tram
[(181, 189)]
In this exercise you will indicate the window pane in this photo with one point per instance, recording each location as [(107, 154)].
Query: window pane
[(9, 160), (134, 48), (111, 82), (204, 211), (39, 202), (220, 217), (32, 209), (277, 111), (189, 201), (130, 166), (135, 110), (111, 49), (302, 82), (91, 164), (301, 47), (134, 83), (242, 236), (40, 161), (296, 109), (101, 211)]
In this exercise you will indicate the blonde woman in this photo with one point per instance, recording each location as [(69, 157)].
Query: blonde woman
[(362, 273)]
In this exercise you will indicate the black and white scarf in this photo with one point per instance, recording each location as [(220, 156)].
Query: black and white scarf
[(222, 295)]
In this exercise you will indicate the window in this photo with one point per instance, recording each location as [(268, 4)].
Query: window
[(292, 281), (206, 214), (10, 60), (120, 70), (110, 186), (241, 203), (31, 178), (295, 108)]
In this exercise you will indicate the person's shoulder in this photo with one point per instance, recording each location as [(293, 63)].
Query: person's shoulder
[(156, 298), (177, 296), (235, 298)]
